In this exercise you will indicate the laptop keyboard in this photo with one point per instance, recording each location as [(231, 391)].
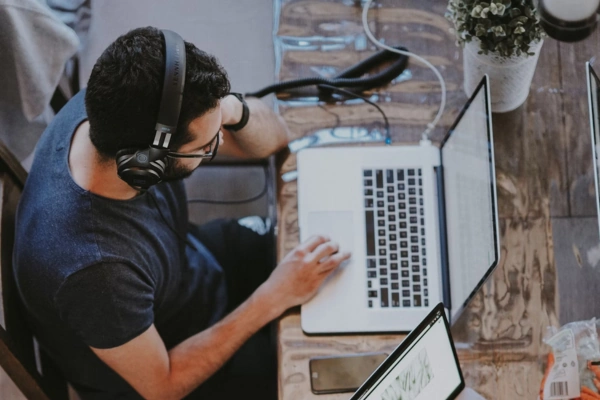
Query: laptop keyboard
[(396, 264)]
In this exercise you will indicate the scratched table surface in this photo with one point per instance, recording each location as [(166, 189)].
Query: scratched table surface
[(550, 250)]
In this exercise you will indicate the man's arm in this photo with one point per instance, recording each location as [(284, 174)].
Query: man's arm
[(157, 373), (264, 134)]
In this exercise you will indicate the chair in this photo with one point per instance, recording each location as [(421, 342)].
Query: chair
[(31, 370)]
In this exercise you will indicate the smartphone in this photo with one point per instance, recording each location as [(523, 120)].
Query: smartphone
[(340, 374)]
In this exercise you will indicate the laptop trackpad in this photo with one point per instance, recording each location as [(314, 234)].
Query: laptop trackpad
[(338, 225)]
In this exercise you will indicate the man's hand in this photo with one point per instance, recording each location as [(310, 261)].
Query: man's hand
[(300, 274)]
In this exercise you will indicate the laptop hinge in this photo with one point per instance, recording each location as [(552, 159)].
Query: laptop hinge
[(439, 174)]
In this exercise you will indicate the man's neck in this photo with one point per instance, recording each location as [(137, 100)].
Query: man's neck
[(91, 173)]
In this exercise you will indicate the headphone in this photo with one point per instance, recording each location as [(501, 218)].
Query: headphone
[(146, 167)]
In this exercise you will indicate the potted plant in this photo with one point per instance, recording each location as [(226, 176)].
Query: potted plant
[(501, 38)]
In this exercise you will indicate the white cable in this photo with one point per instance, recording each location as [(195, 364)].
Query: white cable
[(432, 124)]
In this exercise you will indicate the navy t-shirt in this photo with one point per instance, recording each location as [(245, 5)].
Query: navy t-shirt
[(98, 272)]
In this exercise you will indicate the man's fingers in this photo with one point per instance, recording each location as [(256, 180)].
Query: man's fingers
[(312, 243), (333, 262), (322, 251)]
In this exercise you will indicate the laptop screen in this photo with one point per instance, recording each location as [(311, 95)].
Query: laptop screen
[(423, 367), (470, 199), (593, 95)]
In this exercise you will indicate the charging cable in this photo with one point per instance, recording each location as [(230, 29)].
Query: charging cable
[(432, 124)]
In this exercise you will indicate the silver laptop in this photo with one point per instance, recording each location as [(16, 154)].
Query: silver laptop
[(423, 366), (593, 97), (421, 223)]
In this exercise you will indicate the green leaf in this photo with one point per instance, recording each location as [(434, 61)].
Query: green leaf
[(514, 12)]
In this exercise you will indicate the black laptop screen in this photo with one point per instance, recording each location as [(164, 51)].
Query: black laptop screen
[(470, 200), (593, 97), (426, 370)]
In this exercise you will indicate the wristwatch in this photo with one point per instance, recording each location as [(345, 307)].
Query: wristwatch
[(245, 115)]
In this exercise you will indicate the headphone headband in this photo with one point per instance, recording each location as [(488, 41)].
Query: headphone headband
[(172, 91), (142, 168)]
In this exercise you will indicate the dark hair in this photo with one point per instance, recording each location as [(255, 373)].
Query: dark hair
[(124, 91)]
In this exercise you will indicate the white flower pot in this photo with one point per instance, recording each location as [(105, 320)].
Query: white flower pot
[(510, 77)]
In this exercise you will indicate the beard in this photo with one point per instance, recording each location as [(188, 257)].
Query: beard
[(175, 171)]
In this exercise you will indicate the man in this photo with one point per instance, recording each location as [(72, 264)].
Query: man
[(121, 293)]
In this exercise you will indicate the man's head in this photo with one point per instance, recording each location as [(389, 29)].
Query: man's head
[(124, 91)]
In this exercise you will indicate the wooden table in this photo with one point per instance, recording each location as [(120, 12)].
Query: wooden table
[(546, 199)]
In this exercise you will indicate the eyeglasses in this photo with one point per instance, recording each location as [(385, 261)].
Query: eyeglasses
[(210, 154)]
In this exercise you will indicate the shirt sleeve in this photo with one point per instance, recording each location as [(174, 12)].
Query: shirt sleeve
[(107, 304)]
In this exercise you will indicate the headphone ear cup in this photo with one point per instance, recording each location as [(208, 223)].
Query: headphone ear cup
[(141, 168)]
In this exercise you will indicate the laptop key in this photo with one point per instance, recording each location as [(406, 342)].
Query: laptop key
[(413, 220), (401, 196), (380, 194), (383, 281), (370, 228), (405, 283), (401, 186), (404, 273), (414, 239), (391, 208), (424, 271), (382, 242), (404, 254), (404, 264), (394, 276), (381, 232), (411, 172), (391, 218), (414, 249), (417, 299), (372, 293), (414, 229), (423, 252), (405, 303), (389, 176), (371, 274), (390, 199), (424, 261), (380, 213), (380, 203), (367, 173), (383, 271), (370, 263), (412, 210), (384, 297), (425, 292), (402, 215), (368, 203), (395, 299), (412, 200), (403, 225), (415, 258), (412, 191), (411, 181), (381, 222), (395, 286), (394, 267), (416, 268), (379, 178), (406, 293), (390, 189), (392, 236), (369, 284), (416, 278), (426, 303), (400, 174), (424, 282), (383, 261), (368, 182), (393, 256), (403, 234), (416, 288), (370, 303), (368, 192), (419, 171), (393, 246)]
